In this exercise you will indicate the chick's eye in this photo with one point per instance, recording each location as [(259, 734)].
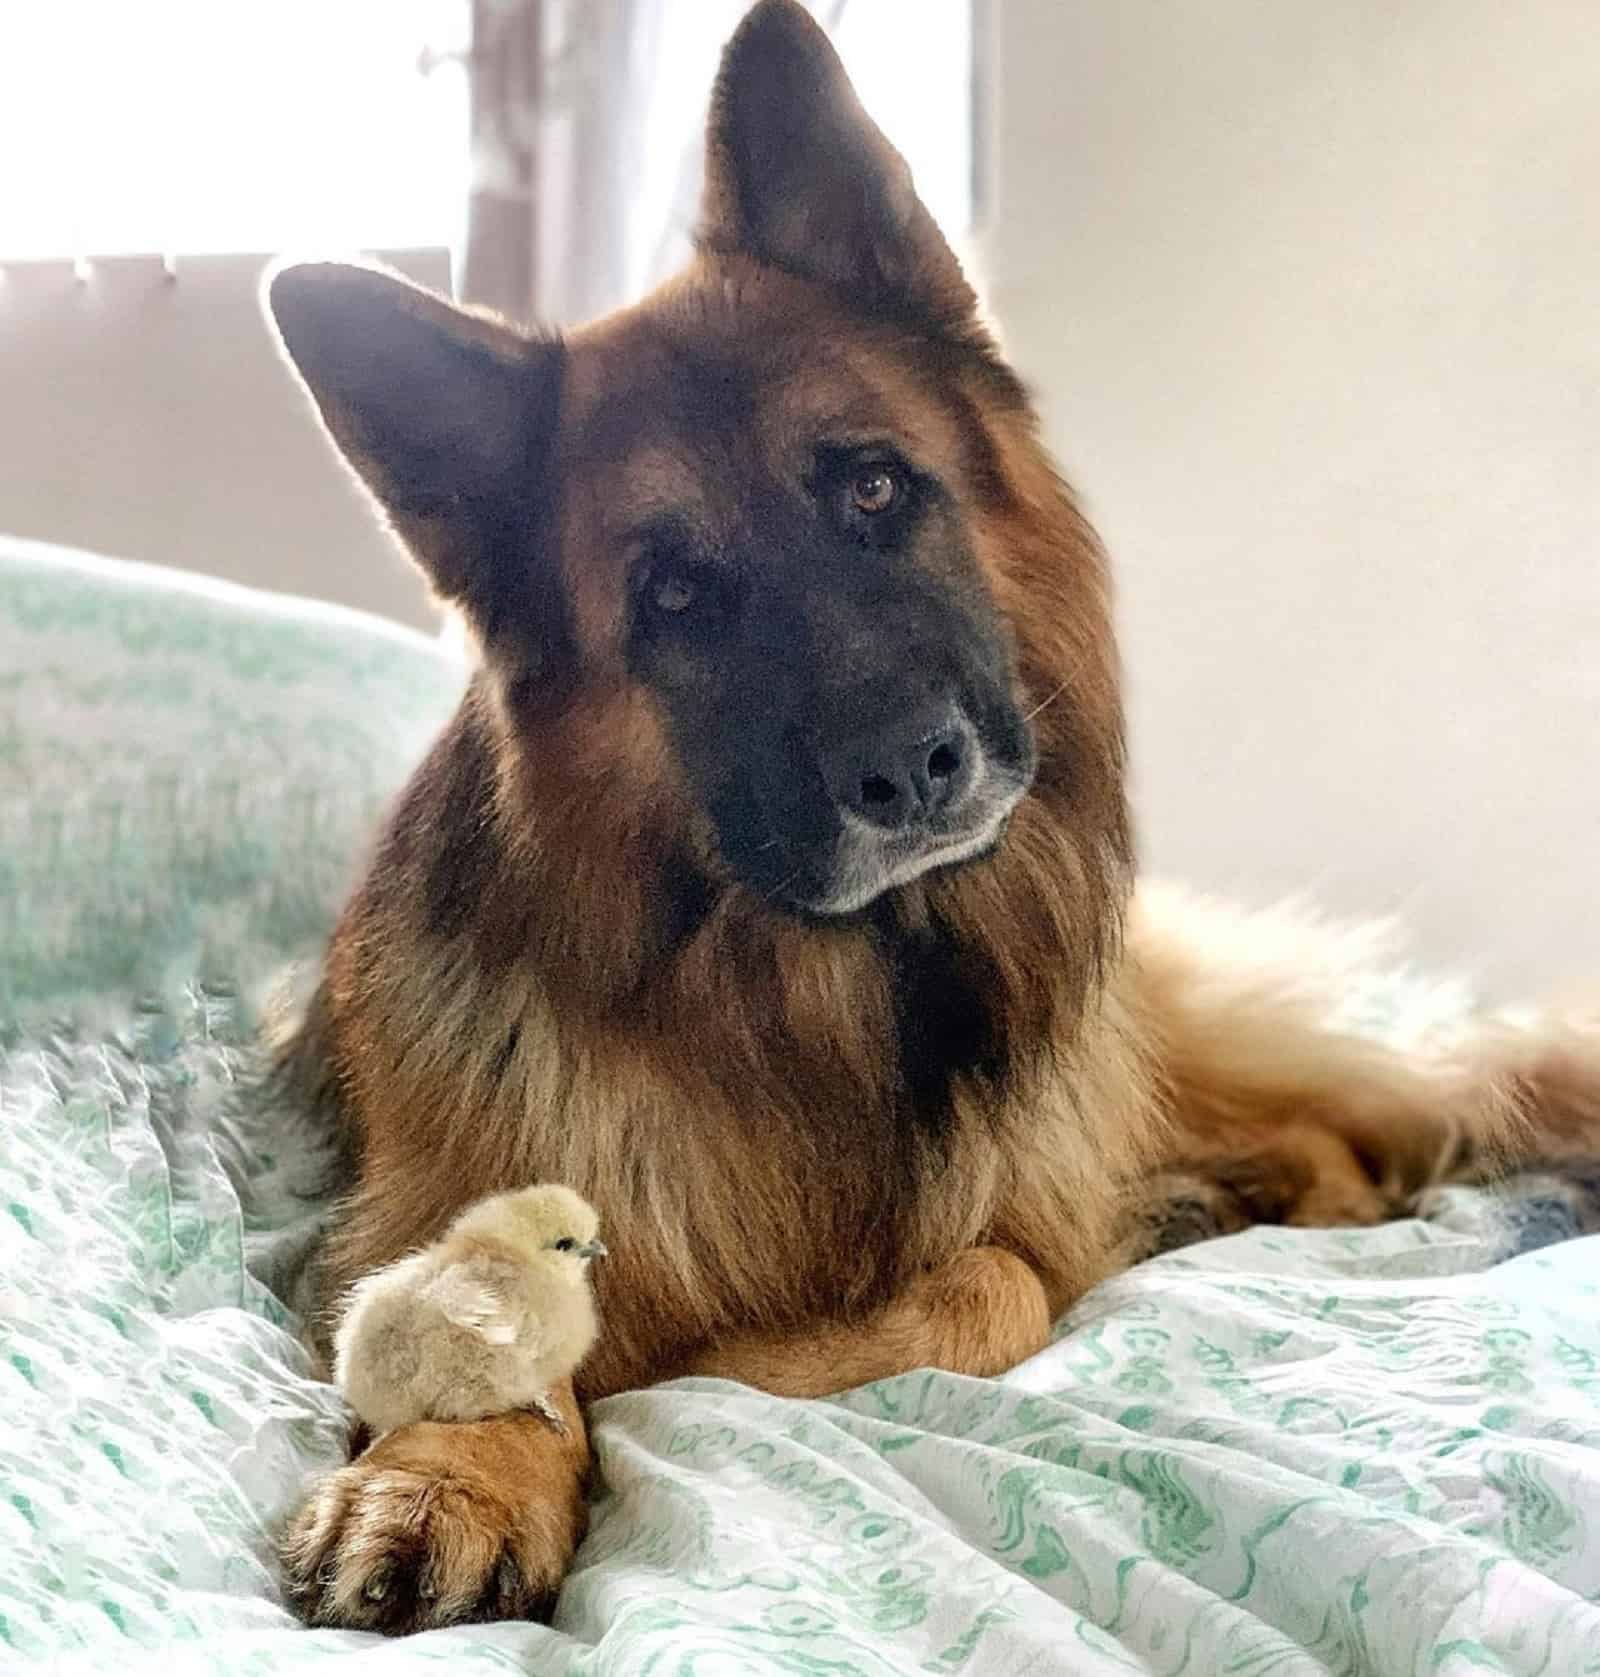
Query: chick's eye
[(671, 590), (566, 1244), (874, 490)]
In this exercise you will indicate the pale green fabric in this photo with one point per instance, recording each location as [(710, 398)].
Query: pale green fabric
[(1282, 1453)]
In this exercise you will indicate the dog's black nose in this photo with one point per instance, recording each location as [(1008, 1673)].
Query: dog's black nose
[(903, 773)]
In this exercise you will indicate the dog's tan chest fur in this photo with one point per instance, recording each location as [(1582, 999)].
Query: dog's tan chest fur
[(723, 1214)]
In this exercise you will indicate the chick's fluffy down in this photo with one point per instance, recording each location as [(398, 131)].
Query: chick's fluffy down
[(464, 1330)]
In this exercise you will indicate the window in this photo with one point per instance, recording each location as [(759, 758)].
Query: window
[(913, 68), (219, 125)]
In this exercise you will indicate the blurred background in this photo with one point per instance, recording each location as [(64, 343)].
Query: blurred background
[(1309, 294)]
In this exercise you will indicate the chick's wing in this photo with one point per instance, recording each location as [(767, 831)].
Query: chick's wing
[(462, 1294)]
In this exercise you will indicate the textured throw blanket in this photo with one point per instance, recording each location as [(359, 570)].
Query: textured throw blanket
[(1285, 1452)]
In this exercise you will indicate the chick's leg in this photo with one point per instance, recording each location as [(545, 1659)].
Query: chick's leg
[(980, 1313), (444, 1522), (545, 1406)]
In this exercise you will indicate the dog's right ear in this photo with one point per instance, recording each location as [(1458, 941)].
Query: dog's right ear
[(446, 417)]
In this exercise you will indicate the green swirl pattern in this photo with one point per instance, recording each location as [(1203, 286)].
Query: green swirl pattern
[(1275, 1455)]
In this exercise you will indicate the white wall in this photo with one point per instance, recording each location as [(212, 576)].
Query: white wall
[(1311, 294), (150, 417)]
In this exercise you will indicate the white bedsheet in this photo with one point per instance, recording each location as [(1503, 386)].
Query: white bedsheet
[(1284, 1453)]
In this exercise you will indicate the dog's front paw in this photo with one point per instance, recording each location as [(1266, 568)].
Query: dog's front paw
[(443, 1523)]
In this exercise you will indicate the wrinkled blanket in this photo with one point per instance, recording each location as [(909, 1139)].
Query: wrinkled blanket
[(1283, 1452)]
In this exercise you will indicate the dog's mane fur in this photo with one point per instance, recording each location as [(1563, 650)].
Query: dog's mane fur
[(821, 1151), (785, 1120)]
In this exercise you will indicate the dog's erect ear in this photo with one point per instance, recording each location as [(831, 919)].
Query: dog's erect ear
[(446, 417), (798, 175)]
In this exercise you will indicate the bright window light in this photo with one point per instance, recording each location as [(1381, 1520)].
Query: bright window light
[(215, 125), (912, 66)]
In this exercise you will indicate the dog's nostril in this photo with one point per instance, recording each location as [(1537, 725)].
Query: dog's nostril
[(878, 789), (911, 772)]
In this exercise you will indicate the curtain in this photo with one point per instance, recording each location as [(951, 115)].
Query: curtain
[(586, 135), (505, 81)]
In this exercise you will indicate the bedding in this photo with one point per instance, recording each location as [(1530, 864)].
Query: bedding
[(1285, 1452)]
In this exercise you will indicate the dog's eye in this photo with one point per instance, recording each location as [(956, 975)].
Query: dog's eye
[(681, 600), (566, 1244), (672, 590), (874, 489)]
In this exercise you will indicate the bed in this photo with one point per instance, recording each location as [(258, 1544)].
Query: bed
[(1283, 1452)]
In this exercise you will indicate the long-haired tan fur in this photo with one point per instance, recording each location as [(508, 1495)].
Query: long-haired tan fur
[(548, 973)]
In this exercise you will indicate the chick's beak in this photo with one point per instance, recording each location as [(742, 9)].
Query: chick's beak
[(592, 1249)]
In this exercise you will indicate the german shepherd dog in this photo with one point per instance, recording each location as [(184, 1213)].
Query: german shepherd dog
[(773, 883)]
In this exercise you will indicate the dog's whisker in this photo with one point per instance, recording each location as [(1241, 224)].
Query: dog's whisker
[(1043, 703), (783, 885)]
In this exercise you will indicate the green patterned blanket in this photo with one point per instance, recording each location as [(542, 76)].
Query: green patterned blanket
[(1280, 1453)]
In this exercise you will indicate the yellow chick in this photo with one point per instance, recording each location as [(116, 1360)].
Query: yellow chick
[(480, 1323)]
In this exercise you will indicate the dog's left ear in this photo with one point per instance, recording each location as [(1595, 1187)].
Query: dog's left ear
[(798, 175)]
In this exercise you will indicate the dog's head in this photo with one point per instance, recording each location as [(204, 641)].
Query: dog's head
[(769, 566)]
